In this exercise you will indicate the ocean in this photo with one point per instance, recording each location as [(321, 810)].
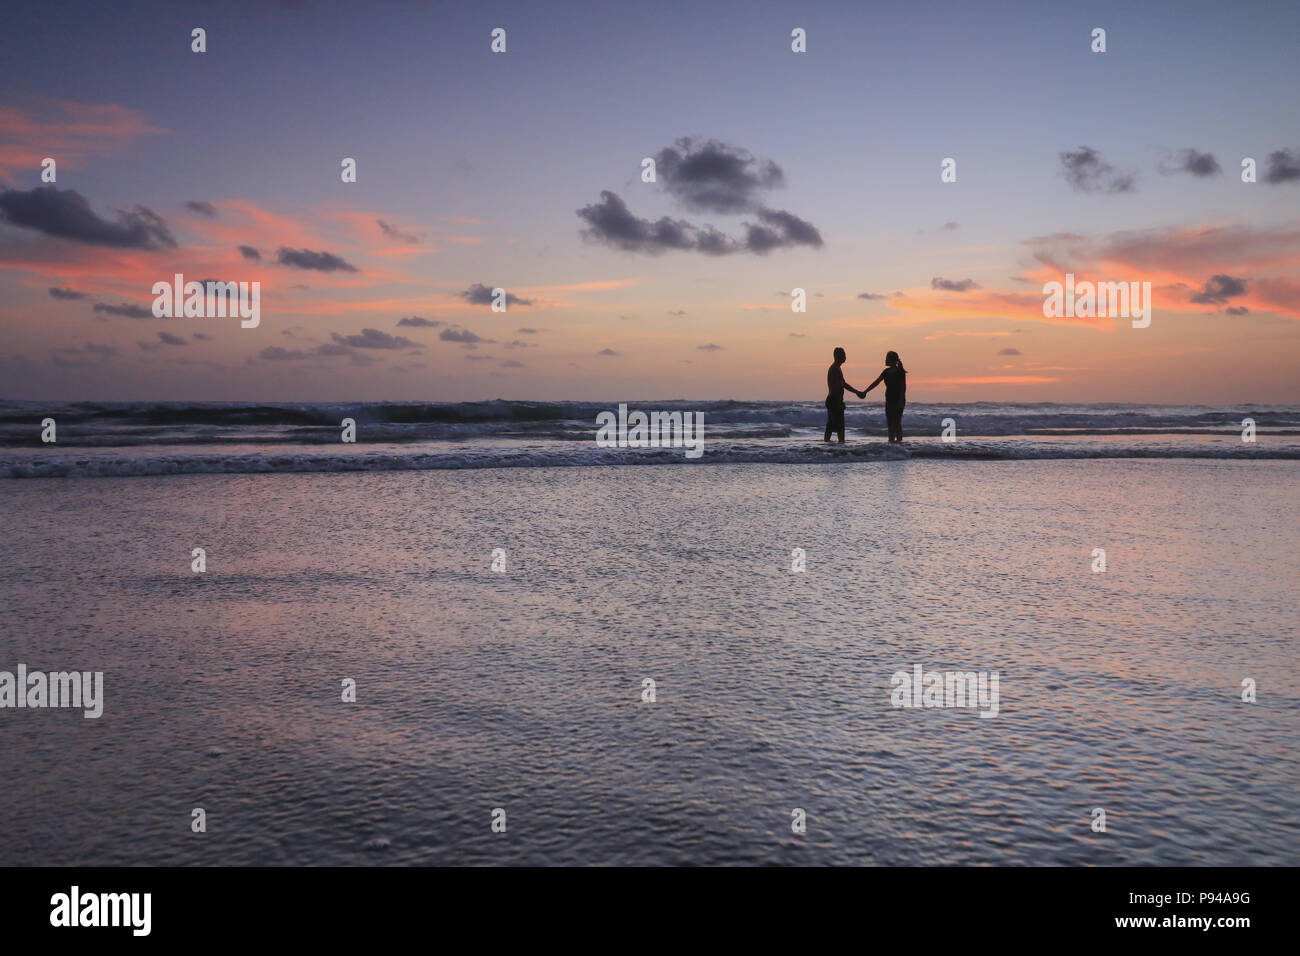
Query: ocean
[(152, 438), (500, 591)]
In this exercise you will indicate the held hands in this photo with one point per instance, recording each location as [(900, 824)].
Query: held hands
[(862, 394)]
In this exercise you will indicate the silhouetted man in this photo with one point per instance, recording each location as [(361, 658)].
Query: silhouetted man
[(835, 386)]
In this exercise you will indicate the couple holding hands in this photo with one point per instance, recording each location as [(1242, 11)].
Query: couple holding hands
[(895, 378)]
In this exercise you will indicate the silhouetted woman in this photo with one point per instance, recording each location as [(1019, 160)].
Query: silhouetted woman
[(895, 378)]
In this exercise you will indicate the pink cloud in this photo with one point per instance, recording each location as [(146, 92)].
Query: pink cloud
[(67, 131)]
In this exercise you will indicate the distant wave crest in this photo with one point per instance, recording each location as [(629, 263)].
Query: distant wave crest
[(125, 424)]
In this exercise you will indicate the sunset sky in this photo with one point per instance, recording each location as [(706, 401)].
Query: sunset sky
[(776, 170)]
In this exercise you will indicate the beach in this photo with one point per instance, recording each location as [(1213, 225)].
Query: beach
[(523, 688)]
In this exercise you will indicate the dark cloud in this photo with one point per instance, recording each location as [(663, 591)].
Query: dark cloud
[(1189, 160), (419, 322), (780, 229), (248, 252), (872, 296), (374, 339), (1219, 289), (67, 294), (516, 344), (711, 176), (87, 356), (202, 208), (274, 353), (125, 309), (1087, 172), (526, 331), (1283, 166), (711, 242), (84, 357), (479, 294), (479, 358), (392, 232), (67, 215), (168, 339), (606, 352), (709, 348), (1237, 310), (953, 285), (1009, 352), (319, 261), (950, 226), (613, 224), (202, 338), (464, 336)]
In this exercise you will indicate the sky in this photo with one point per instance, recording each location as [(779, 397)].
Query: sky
[(775, 170)]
